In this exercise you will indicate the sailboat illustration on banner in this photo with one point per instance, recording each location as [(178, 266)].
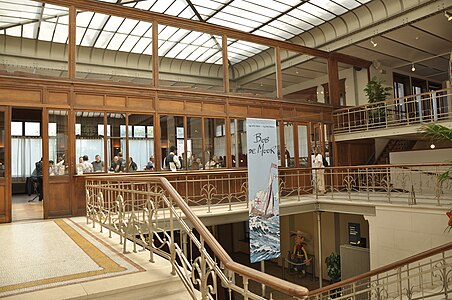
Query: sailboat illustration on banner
[(264, 202)]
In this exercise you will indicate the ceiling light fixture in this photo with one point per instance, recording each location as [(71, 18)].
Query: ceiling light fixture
[(448, 16), (373, 43), (413, 68)]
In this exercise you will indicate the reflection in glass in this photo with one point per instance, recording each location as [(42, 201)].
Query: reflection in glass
[(141, 146), (238, 143), (196, 159), (215, 143), (116, 143), (171, 128), (303, 152), (58, 140), (89, 138), (289, 155)]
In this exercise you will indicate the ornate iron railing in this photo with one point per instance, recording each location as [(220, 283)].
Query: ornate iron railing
[(149, 213), (422, 276), (408, 184), (429, 107)]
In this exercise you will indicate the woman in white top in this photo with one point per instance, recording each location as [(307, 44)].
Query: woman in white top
[(320, 172)]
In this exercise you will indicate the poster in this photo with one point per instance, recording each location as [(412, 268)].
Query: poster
[(263, 191)]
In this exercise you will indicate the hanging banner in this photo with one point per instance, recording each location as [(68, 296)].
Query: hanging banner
[(263, 191)]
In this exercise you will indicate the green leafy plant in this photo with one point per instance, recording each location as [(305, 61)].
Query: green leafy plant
[(439, 132), (333, 265), (376, 92)]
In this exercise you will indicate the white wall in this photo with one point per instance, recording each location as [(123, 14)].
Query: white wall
[(398, 232), (421, 156)]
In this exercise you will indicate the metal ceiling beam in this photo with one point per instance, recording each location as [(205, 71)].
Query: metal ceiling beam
[(131, 13)]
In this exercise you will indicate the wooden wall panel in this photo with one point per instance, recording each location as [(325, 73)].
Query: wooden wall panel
[(58, 197), (20, 96), (3, 204), (145, 104), (114, 101), (255, 111), (237, 110), (211, 108), (89, 100), (270, 113), (193, 107), (58, 98), (171, 105)]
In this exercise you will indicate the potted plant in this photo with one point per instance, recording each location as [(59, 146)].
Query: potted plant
[(333, 267), (376, 92)]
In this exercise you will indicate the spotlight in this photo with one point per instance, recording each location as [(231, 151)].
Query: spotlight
[(448, 16), (432, 146), (373, 43), (413, 68)]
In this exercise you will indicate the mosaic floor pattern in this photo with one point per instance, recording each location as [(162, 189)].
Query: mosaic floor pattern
[(40, 255)]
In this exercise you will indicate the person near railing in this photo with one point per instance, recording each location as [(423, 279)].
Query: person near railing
[(319, 172), (172, 162)]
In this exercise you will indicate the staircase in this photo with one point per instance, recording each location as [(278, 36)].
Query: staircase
[(394, 146), (426, 275)]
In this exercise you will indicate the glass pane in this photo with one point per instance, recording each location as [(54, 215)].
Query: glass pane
[(58, 142), (121, 48), (238, 143), (246, 59), (303, 151), (89, 141), (141, 147), (40, 28), (172, 134), (215, 143), (290, 146), (16, 128), (116, 144), (194, 144), (32, 129), (187, 56), (302, 82)]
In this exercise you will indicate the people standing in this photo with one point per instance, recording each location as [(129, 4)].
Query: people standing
[(172, 161), (319, 172)]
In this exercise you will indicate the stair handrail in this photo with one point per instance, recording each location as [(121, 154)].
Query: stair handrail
[(386, 268), (286, 287)]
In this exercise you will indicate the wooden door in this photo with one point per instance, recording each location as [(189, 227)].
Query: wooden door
[(5, 165)]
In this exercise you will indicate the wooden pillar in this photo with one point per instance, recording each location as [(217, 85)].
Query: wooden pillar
[(72, 47), (224, 42), (333, 81), (155, 54), (279, 92)]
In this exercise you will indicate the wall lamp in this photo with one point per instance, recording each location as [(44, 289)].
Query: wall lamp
[(448, 16), (373, 43)]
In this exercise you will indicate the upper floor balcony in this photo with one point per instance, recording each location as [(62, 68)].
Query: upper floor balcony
[(394, 117)]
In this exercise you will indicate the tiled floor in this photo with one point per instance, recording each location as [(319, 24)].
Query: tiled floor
[(22, 209), (45, 254)]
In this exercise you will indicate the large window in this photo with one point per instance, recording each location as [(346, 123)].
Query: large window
[(141, 141), (89, 134), (194, 144), (116, 141), (289, 155), (303, 148), (172, 134), (58, 137), (238, 143), (215, 143), (26, 147)]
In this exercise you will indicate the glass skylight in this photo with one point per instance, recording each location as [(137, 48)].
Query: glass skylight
[(277, 19)]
